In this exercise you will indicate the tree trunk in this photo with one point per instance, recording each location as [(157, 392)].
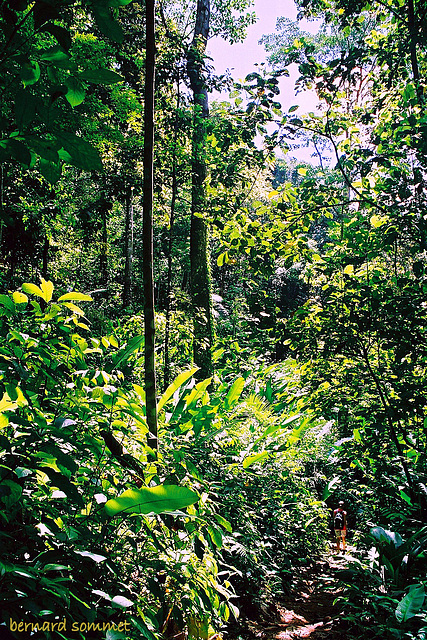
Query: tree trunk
[(199, 253), (166, 379), (103, 256), (149, 325), (45, 257), (127, 286)]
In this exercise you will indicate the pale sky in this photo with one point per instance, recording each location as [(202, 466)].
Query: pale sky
[(240, 58)]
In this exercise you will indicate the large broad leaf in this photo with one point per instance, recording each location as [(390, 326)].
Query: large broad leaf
[(125, 352), (100, 76), (175, 385), (75, 296), (19, 151), (30, 72), (106, 24), (62, 36), (389, 537), (51, 171), (160, 499), (275, 427), (82, 154), (25, 108), (234, 394), (411, 603), (257, 457), (76, 93)]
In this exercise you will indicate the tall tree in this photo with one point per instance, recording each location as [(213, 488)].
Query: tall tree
[(149, 324), (200, 273)]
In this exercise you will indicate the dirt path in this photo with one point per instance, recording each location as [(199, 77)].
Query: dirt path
[(309, 611)]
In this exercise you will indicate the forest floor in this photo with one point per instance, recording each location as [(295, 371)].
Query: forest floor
[(309, 611)]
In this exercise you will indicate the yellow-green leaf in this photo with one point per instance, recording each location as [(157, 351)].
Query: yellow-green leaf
[(19, 298), (47, 288), (75, 296)]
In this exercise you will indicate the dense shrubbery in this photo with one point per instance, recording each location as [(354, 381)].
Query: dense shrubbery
[(74, 436)]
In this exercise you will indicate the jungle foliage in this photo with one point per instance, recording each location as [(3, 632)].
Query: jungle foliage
[(312, 381)]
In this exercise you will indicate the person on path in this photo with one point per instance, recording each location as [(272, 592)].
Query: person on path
[(340, 526)]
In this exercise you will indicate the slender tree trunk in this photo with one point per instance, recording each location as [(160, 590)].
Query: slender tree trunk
[(127, 287), (149, 325), (171, 229), (45, 257), (103, 257), (199, 253)]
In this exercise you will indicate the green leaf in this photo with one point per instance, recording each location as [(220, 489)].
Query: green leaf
[(124, 353), (257, 457), (175, 385), (160, 499), (378, 221), (275, 427), (7, 302), (19, 151), (10, 493), (19, 298), (82, 154), (54, 54), (222, 258), (411, 603), (28, 287), (44, 148), (30, 73), (216, 536), (47, 289), (62, 35), (223, 522), (75, 296), (51, 171), (100, 76), (107, 25), (234, 393), (76, 93), (25, 108), (96, 557), (385, 536)]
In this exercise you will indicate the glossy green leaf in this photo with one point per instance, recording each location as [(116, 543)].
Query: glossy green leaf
[(75, 296), (50, 170), (82, 154), (174, 386), (54, 54), (125, 353), (62, 36), (234, 393), (223, 522), (76, 93), (215, 535), (411, 604), (28, 287), (257, 457), (107, 25), (30, 73), (100, 76), (160, 499)]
